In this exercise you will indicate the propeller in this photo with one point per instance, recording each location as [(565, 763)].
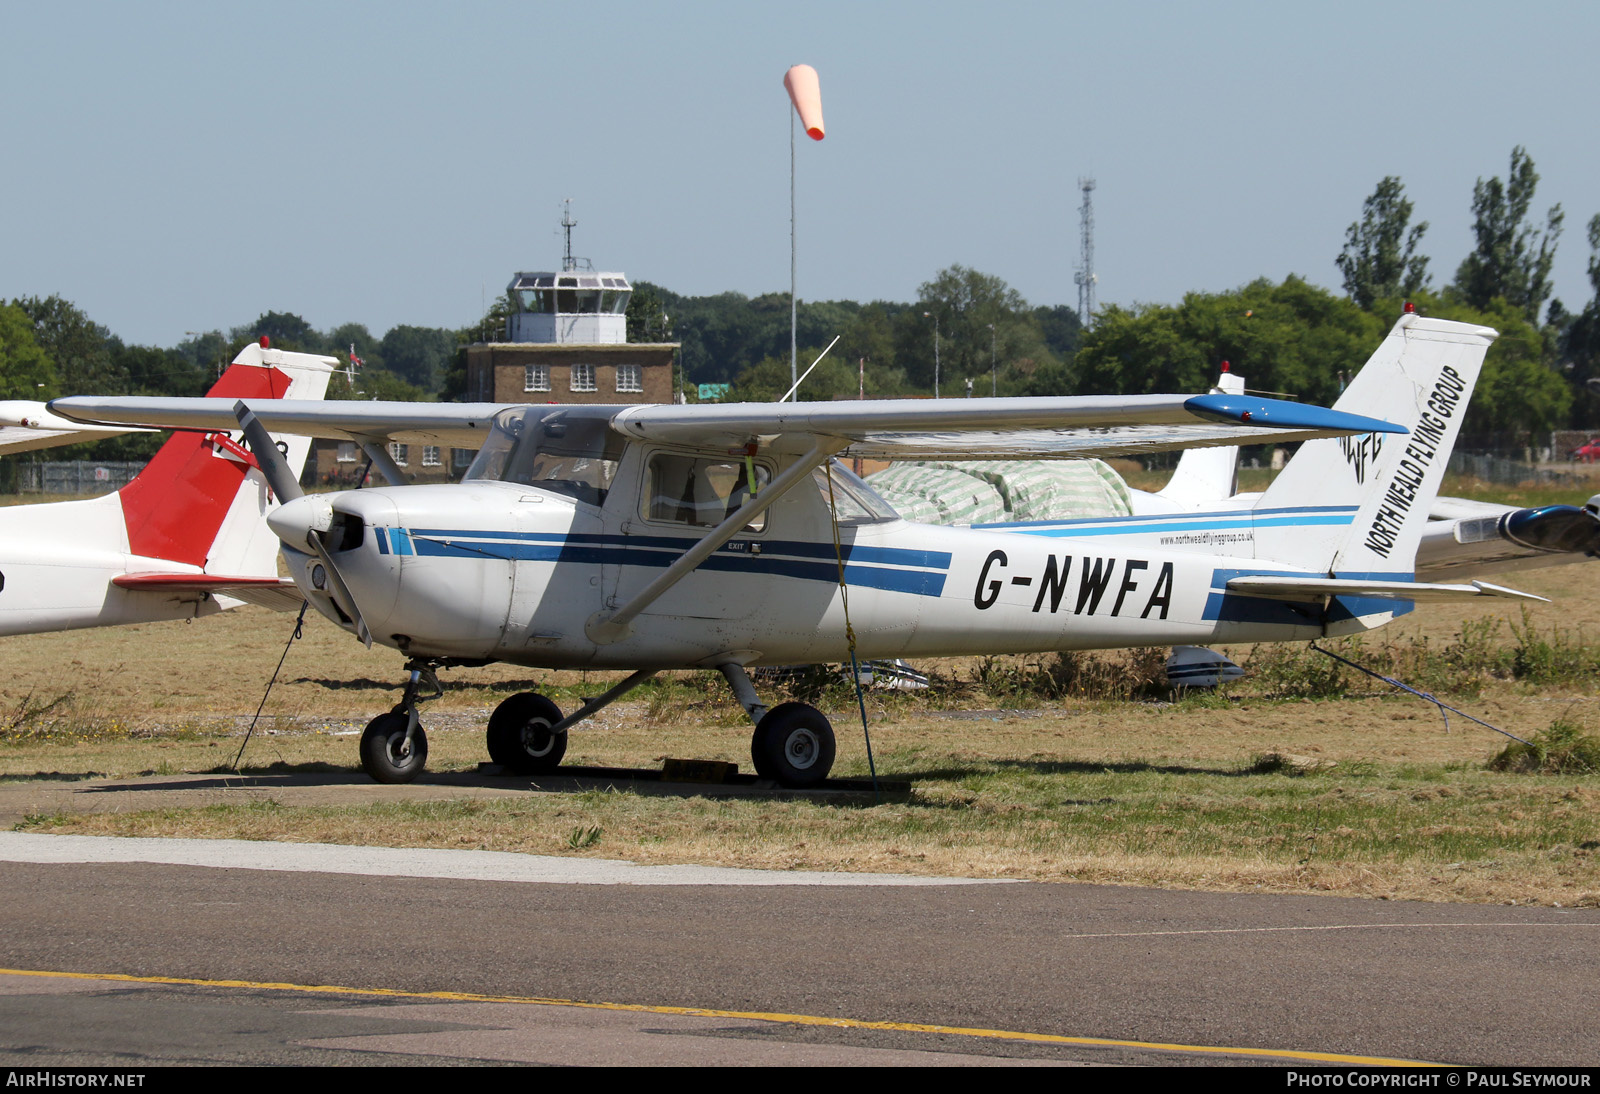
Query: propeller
[(268, 457), (284, 484)]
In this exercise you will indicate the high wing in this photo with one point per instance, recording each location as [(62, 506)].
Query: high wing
[(454, 425), (1068, 427), (27, 426)]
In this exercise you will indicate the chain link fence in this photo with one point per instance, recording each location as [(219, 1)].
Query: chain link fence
[(1506, 471), (76, 476)]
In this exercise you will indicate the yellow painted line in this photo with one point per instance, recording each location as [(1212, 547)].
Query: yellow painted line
[(1323, 927), (755, 1016)]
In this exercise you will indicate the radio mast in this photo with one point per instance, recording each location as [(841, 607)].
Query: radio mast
[(1085, 277)]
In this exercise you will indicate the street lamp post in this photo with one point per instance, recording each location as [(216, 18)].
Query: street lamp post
[(935, 318), (994, 383)]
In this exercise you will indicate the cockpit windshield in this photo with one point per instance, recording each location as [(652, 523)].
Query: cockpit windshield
[(569, 450)]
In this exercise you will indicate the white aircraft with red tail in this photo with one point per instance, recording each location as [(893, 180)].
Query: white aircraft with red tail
[(646, 538), (185, 538)]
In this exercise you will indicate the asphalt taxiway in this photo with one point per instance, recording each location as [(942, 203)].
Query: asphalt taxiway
[(122, 951)]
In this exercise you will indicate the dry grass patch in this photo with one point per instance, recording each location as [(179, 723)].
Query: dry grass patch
[(1404, 830)]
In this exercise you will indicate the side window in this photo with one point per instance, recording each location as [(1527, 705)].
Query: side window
[(849, 498), (699, 491)]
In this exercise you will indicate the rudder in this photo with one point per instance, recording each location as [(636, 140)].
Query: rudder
[(200, 499)]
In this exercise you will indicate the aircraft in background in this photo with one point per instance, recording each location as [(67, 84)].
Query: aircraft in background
[(185, 538), (722, 536)]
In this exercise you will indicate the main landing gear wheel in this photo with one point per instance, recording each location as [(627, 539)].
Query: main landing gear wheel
[(386, 755), (793, 746), (519, 735)]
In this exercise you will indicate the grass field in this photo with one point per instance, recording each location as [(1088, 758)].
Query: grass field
[(1301, 778)]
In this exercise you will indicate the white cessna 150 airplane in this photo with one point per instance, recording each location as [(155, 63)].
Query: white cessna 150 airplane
[(718, 536)]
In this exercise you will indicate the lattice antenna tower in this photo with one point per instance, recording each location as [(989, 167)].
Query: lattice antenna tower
[(567, 224), (1085, 276)]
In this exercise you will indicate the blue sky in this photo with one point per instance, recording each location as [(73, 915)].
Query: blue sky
[(188, 166)]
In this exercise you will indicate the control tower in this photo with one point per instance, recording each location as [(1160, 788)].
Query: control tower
[(571, 306), (566, 341)]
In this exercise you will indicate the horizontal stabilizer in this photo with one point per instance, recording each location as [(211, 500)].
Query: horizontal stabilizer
[(1316, 588), (279, 594)]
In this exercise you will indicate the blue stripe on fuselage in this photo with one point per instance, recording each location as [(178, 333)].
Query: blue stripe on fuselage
[(637, 551), (1180, 522), (395, 541), (900, 556)]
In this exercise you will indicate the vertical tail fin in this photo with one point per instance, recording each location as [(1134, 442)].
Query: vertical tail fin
[(200, 500), (1372, 493)]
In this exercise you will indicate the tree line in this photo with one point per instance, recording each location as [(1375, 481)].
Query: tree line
[(970, 331), (1291, 337)]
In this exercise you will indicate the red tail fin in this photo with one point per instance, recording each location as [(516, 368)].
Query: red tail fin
[(175, 506)]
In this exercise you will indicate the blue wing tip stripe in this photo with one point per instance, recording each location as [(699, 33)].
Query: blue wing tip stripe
[(1282, 414)]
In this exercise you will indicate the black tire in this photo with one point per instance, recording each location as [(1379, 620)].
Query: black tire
[(793, 746), (384, 755), (519, 735)]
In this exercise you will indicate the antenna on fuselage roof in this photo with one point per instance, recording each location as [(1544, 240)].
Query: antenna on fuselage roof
[(807, 372)]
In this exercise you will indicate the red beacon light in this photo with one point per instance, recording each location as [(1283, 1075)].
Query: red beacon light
[(1226, 367), (1410, 308), (266, 343)]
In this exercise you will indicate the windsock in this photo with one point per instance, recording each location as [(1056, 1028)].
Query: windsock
[(806, 94)]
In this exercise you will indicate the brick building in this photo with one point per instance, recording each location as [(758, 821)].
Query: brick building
[(531, 372)]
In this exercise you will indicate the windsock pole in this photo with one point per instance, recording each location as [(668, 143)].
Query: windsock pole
[(794, 306), (805, 93)]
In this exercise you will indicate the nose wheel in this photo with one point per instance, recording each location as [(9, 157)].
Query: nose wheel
[(389, 753), (394, 748)]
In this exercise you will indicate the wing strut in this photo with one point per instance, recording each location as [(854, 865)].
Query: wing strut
[(378, 452), (604, 628)]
